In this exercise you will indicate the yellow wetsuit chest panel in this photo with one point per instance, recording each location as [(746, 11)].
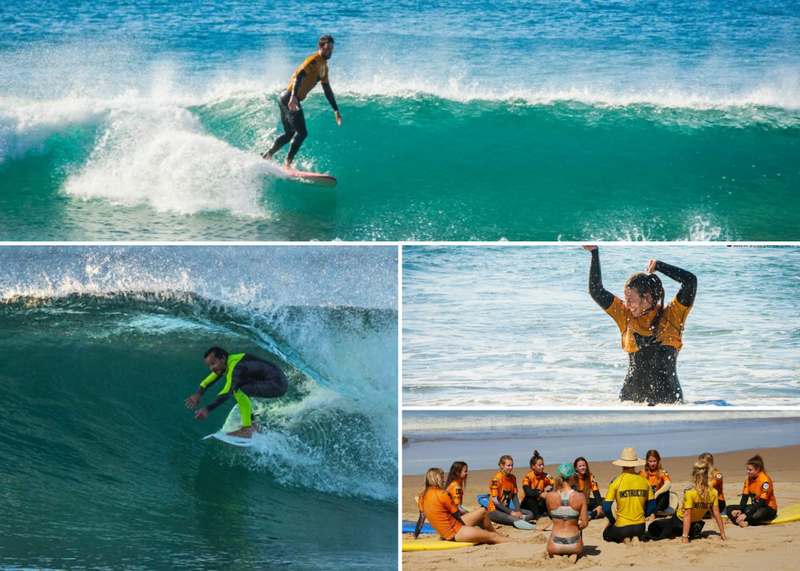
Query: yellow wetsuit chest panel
[(316, 69), (636, 329)]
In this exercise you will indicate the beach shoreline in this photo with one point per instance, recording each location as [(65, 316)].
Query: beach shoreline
[(774, 546)]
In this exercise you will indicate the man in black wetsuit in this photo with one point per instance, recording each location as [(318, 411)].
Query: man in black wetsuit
[(312, 71), (245, 376), (651, 331)]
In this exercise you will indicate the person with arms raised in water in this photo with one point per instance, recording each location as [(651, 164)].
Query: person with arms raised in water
[(312, 71), (245, 376), (651, 331)]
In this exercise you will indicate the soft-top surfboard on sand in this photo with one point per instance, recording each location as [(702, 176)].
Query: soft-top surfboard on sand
[(787, 514), (232, 440), (432, 544), (673, 504), (410, 526), (311, 178)]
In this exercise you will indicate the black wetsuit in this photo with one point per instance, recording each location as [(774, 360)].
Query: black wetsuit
[(294, 122), (754, 514), (255, 377), (652, 376)]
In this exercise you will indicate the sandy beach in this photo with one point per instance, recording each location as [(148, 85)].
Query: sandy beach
[(763, 547)]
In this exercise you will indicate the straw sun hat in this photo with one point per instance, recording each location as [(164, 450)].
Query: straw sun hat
[(629, 459)]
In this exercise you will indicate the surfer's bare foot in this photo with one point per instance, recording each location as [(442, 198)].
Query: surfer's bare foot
[(626, 541), (573, 558), (243, 432), (634, 540)]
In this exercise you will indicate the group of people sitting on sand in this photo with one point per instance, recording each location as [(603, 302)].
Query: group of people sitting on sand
[(572, 499)]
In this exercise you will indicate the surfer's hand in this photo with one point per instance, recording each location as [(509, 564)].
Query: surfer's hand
[(201, 414), (651, 268), (589, 248), (294, 104), (193, 400), (338, 117)]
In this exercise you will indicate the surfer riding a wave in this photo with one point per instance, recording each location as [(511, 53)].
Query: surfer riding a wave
[(312, 71), (245, 376)]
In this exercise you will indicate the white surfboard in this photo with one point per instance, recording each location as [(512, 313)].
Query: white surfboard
[(232, 440)]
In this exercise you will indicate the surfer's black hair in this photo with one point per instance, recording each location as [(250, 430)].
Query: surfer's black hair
[(643, 284), (326, 39), (218, 352)]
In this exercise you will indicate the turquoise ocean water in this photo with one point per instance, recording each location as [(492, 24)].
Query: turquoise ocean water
[(507, 326), (535, 120), (104, 468)]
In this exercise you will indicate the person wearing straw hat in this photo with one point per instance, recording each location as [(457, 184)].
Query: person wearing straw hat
[(568, 509), (634, 498)]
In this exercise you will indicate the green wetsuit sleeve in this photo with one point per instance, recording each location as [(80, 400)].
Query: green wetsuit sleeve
[(207, 382), (235, 382)]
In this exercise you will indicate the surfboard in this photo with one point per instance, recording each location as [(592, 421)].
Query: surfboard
[(433, 544), (673, 505), (312, 178), (787, 514), (409, 527), (232, 440)]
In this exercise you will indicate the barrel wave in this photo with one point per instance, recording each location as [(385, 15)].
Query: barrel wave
[(105, 467)]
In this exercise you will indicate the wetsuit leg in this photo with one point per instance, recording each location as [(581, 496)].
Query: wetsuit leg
[(662, 503), (761, 515), (299, 124), (652, 376), (503, 518), (617, 534), (664, 528), (532, 502), (288, 128)]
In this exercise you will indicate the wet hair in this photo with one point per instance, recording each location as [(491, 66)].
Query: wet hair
[(326, 39), (643, 284), (657, 456), (708, 459), (756, 462), (701, 476), (433, 479), (504, 459), (218, 352), (535, 458), (455, 473), (587, 480)]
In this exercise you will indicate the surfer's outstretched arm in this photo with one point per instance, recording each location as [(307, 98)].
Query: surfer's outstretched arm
[(326, 87), (600, 295), (687, 280)]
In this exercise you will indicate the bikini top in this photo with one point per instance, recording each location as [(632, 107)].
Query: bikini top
[(565, 511)]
